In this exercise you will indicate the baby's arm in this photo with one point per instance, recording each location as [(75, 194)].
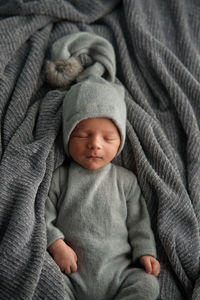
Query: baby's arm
[(152, 266), (139, 228), (64, 256)]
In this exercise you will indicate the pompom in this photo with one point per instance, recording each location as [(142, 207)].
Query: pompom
[(62, 73)]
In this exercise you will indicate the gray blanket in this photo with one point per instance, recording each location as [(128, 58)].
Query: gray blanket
[(157, 44)]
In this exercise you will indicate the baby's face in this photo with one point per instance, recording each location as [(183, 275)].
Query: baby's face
[(94, 142)]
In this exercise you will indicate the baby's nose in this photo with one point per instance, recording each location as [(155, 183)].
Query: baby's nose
[(94, 143)]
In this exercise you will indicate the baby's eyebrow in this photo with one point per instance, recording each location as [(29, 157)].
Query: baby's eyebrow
[(89, 130), (82, 130), (110, 133)]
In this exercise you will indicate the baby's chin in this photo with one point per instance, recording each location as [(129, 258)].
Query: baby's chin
[(93, 164)]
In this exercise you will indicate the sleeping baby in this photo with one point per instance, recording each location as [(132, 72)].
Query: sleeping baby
[(98, 226)]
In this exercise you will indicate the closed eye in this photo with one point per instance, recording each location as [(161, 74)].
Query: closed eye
[(81, 136), (110, 138)]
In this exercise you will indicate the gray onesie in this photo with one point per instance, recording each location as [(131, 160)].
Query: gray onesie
[(102, 216)]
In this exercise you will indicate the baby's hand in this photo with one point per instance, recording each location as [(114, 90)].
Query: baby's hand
[(64, 256), (152, 266)]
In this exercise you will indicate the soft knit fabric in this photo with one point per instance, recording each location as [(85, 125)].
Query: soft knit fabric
[(157, 46), (103, 217)]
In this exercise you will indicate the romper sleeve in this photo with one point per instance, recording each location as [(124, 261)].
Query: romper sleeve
[(53, 233), (138, 222)]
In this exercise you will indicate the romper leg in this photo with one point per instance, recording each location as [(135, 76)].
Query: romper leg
[(138, 285)]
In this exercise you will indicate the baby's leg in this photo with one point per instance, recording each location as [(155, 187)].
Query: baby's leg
[(138, 285)]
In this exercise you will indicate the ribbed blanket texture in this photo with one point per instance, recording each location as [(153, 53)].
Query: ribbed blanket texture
[(157, 45)]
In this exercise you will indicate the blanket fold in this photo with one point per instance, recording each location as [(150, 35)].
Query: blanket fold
[(157, 46)]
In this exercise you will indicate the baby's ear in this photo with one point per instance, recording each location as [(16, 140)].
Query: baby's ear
[(61, 73)]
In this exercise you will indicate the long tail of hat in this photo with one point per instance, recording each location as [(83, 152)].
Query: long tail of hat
[(65, 65)]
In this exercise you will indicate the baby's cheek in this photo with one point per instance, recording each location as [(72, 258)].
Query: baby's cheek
[(111, 153)]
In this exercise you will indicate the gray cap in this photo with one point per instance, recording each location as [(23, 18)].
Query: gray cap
[(92, 98), (95, 94)]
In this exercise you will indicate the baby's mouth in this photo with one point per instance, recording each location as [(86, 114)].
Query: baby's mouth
[(94, 156)]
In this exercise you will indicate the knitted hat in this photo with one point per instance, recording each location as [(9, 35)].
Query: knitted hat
[(92, 98), (95, 94)]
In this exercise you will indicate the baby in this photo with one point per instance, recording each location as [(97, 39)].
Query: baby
[(98, 227)]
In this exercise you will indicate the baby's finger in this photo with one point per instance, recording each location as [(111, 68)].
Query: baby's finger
[(146, 262), (156, 269), (68, 270), (148, 267), (74, 267), (75, 256)]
